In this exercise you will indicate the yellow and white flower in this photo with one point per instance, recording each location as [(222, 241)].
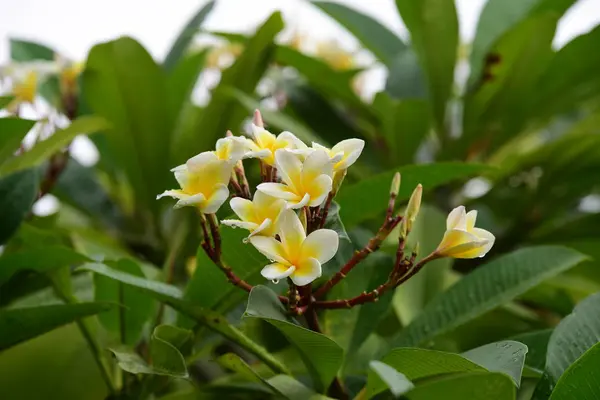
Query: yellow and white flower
[(25, 89), (231, 148), (203, 180), (343, 154), (265, 144), (260, 216), (462, 239), (305, 183), (297, 256)]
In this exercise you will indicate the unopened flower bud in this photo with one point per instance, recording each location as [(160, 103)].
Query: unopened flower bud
[(257, 120), (395, 188), (412, 209)]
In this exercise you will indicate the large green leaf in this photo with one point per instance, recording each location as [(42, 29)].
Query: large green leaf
[(433, 27), (406, 78), (417, 364), (570, 78), (46, 148), (573, 336), (186, 36), (136, 307), (12, 132), (537, 346), (173, 297), (394, 380), (182, 80), (382, 42), (581, 380), (507, 357), (235, 363), (524, 53), (486, 288), (39, 259), (20, 324), (404, 126), (123, 84), (498, 17), (17, 194), (322, 356), (472, 386), (369, 197), (24, 50), (294, 390), (243, 75)]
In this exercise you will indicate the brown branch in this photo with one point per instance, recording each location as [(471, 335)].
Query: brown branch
[(292, 297), (57, 164), (325, 211), (358, 256), (240, 173)]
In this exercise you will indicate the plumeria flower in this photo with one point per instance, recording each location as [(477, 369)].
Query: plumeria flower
[(231, 148), (305, 183), (265, 144), (203, 180), (462, 239), (343, 154), (25, 89), (260, 216), (297, 256)]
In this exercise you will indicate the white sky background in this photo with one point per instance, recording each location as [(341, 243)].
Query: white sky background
[(72, 27)]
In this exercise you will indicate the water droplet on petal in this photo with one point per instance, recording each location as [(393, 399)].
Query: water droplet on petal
[(275, 281)]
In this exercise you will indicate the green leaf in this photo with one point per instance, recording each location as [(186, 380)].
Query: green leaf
[(294, 390), (582, 379), (46, 148), (40, 259), (186, 36), (417, 364), (322, 356), (136, 307), (524, 53), (394, 380), (24, 50), (173, 297), (21, 324), (123, 84), (182, 80), (472, 386), (243, 75), (570, 78), (406, 79), (369, 197), (486, 288), (165, 355), (575, 334), (433, 27), (12, 132), (500, 16), (4, 101), (507, 357), (537, 345), (382, 42), (236, 364), (405, 124), (164, 350), (18, 191)]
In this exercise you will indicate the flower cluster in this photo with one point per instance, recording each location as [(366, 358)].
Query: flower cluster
[(286, 215)]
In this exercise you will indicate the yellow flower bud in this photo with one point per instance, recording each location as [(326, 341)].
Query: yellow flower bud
[(395, 188), (462, 239)]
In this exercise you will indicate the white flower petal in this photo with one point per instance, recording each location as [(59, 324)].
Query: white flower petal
[(201, 160), (321, 244), (319, 190), (289, 167), (214, 202), (263, 200), (243, 208), (307, 272), (290, 141), (181, 167), (352, 148), (470, 220), (455, 217), (261, 229), (277, 271), (294, 204), (176, 194), (454, 238), (316, 164), (182, 175), (236, 223), (258, 154), (195, 200), (336, 158), (278, 190), (318, 146), (270, 248), (291, 233), (484, 235)]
